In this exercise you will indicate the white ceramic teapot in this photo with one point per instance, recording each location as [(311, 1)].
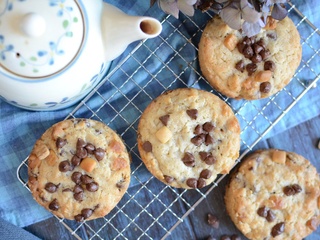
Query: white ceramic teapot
[(53, 52)]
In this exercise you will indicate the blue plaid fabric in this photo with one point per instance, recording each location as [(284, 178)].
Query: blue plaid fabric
[(19, 128)]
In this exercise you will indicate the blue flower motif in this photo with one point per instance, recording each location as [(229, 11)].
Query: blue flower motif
[(96, 76), (4, 48), (53, 104), (61, 5)]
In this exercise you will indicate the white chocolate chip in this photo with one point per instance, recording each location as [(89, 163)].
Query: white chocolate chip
[(263, 76), (279, 156), (88, 164), (164, 134), (230, 42)]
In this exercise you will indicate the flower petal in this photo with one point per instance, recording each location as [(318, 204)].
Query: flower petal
[(232, 17), (185, 8), (169, 7), (249, 14), (251, 29), (279, 12)]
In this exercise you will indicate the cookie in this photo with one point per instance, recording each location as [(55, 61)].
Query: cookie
[(274, 195), (79, 169), (249, 68), (186, 137)]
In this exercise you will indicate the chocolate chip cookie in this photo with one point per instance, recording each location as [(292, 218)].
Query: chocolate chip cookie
[(79, 169), (274, 195), (249, 68), (186, 137)]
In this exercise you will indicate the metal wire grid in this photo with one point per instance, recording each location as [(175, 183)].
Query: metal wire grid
[(150, 209)]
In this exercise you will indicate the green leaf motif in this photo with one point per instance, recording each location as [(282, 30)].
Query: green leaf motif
[(75, 19), (22, 64), (83, 87), (35, 70), (69, 34), (33, 105), (34, 59), (65, 24)]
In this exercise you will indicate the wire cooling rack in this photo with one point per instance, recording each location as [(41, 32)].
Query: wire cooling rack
[(150, 209)]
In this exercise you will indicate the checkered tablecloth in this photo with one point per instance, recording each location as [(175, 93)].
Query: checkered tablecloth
[(19, 128)]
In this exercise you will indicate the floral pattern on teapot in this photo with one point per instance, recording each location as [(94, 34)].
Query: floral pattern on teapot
[(38, 60)]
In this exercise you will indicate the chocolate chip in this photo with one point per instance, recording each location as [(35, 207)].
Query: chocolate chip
[(86, 212), (60, 142), (188, 159), (192, 182), (203, 155), (81, 152), (65, 166), (76, 177), (207, 158), (241, 46), (225, 237), (251, 68), (51, 187), (240, 66), (168, 179), (297, 188), (165, 119), (271, 216), (263, 211), (213, 220), (248, 51), (78, 196), (272, 35), (269, 65), (198, 130), (77, 189), (265, 87), (292, 189), (147, 146), (235, 237), (198, 140), (257, 48), (192, 113), (201, 183), (90, 148), (99, 153), (208, 127), (209, 140), (211, 238), (54, 205), (79, 218), (261, 43), (92, 187), (75, 160), (85, 179), (81, 143), (206, 174), (265, 54), (256, 58), (247, 40), (277, 229)]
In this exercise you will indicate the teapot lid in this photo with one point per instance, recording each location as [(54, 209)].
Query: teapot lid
[(39, 38)]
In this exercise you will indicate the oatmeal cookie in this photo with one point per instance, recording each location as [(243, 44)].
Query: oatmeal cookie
[(249, 68), (274, 195), (186, 137), (79, 169)]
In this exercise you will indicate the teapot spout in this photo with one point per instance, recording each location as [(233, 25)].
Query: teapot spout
[(119, 30)]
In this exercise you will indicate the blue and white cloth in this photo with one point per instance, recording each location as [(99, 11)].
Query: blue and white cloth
[(19, 129)]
